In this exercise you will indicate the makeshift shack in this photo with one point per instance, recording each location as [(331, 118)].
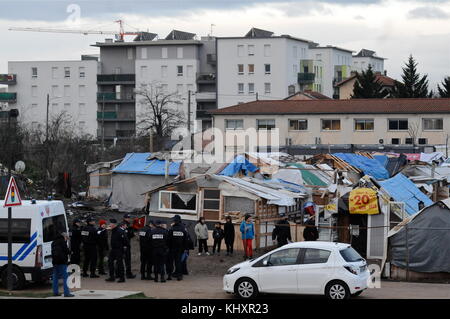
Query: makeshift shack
[(100, 179)]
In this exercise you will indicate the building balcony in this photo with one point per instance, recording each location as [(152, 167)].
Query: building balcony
[(202, 114), (205, 96), (105, 79), (211, 59), (116, 116), (206, 78), (8, 97), (306, 78), (112, 97), (8, 79)]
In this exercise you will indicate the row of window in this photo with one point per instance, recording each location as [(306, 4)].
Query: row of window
[(164, 53), (267, 51), (67, 89), (251, 69), (251, 88), (179, 71), (428, 124), (56, 74)]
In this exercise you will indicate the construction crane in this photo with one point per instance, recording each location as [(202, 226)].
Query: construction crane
[(119, 35)]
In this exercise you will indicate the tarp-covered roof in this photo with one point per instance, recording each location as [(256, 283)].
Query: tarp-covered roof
[(139, 163), (369, 166), (401, 189), (240, 163), (309, 178)]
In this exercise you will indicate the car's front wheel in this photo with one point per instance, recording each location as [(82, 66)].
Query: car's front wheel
[(246, 288), (337, 290)]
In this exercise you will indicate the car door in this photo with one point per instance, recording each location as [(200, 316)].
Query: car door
[(278, 271), (314, 271)]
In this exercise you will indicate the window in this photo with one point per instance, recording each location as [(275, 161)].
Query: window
[(21, 229), (130, 53), (143, 53), (316, 256), (251, 50), (164, 88), (164, 71), (433, 124), (423, 141), (398, 125), (54, 72), (53, 226), (82, 108), (234, 124), (251, 88), (241, 88), (177, 202), (179, 88), (55, 91), (190, 71), (211, 199), (34, 91), (67, 72), (179, 70), (267, 87), (267, 50), (298, 125), (117, 70), (82, 125), (179, 53), (66, 90), (164, 53), (364, 125), (66, 106), (295, 52), (409, 140), (143, 71), (34, 72), (251, 69), (284, 257), (395, 141), (331, 125), (82, 90), (240, 69), (82, 72), (34, 106), (240, 50), (190, 87), (265, 124), (350, 255), (295, 69), (266, 68)]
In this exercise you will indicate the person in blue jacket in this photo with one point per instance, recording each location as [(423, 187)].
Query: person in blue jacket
[(248, 234)]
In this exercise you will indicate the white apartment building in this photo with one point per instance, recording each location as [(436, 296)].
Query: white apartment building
[(258, 65), (71, 86), (364, 58)]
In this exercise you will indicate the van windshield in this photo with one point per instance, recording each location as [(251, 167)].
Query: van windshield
[(52, 226), (350, 255)]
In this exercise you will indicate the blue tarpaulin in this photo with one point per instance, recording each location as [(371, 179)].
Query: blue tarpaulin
[(401, 189), (138, 163), (240, 163), (369, 166), (383, 159)]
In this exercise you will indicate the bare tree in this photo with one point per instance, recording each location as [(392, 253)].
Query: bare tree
[(161, 114), (413, 131)]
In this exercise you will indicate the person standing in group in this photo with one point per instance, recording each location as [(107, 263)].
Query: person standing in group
[(75, 242), (184, 258), (129, 231), (158, 242), (177, 242), (218, 235), (60, 259), (282, 232), (248, 234), (115, 258), (201, 231), (310, 233), (145, 250), (89, 238), (229, 235), (102, 245)]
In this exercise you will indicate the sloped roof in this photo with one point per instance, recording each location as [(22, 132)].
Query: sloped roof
[(258, 33), (313, 95), (180, 35), (367, 165), (141, 163), (383, 79), (364, 53), (145, 36)]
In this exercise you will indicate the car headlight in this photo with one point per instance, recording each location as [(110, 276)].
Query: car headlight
[(232, 270)]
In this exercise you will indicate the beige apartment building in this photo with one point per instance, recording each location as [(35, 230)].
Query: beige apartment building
[(418, 122)]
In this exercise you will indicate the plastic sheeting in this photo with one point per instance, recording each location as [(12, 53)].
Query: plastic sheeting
[(428, 240), (240, 163), (309, 178), (401, 189), (138, 163), (369, 166)]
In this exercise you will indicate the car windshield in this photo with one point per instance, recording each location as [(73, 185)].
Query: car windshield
[(350, 255)]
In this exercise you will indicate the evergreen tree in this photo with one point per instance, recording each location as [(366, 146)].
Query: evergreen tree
[(444, 92), (367, 86), (414, 85)]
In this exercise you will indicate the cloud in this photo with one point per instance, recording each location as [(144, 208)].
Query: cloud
[(428, 13)]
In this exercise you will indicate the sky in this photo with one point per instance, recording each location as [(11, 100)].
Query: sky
[(393, 28)]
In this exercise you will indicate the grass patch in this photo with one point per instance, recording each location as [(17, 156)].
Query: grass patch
[(15, 294), (139, 295)]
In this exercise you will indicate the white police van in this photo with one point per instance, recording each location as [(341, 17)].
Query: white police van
[(34, 226)]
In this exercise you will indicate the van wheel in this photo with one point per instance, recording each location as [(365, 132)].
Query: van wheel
[(337, 290), (18, 278), (246, 288)]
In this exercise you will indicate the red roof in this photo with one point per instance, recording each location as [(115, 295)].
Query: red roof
[(351, 106), (383, 79)]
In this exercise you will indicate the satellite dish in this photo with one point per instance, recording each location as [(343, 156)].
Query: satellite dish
[(19, 167)]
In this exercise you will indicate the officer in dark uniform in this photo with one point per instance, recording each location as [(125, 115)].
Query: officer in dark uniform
[(89, 238), (75, 241), (169, 258), (102, 245), (177, 242), (158, 243), (130, 234), (118, 244), (145, 250)]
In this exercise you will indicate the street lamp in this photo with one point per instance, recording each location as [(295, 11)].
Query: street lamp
[(46, 142)]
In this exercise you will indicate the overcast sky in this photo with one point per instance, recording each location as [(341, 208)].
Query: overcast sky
[(392, 28)]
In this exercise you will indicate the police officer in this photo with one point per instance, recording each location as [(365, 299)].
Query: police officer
[(102, 245), (177, 242), (129, 234), (75, 241), (158, 243), (118, 244), (89, 238), (145, 249)]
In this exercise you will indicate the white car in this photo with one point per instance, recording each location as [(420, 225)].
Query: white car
[(335, 270)]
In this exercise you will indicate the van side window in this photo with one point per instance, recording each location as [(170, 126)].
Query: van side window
[(52, 226), (21, 228), (316, 256)]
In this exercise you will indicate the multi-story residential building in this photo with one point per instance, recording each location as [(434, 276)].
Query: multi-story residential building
[(383, 124), (364, 58), (62, 86), (258, 65)]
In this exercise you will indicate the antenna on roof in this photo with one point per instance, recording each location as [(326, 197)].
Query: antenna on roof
[(211, 29)]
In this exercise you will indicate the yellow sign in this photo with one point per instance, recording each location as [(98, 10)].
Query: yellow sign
[(363, 201)]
